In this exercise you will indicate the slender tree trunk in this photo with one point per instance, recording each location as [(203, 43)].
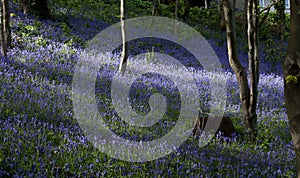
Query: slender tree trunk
[(222, 24), (247, 99), (36, 7), (187, 9), (24, 6), (233, 7), (245, 18), (125, 51), (176, 9), (207, 3), (155, 4), (280, 15), (42, 9), (5, 27), (292, 79), (3, 43), (176, 16), (253, 43)]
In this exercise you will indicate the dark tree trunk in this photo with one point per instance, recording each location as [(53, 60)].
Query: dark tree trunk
[(292, 79), (36, 7), (24, 6), (280, 8), (42, 9), (222, 24), (253, 43), (5, 27), (187, 9), (155, 7), (176, 16), (176, 9), (245, 18)]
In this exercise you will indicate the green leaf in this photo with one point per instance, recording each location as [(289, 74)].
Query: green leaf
[(291, 79)]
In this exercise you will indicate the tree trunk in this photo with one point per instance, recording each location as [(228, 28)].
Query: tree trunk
[(5, 27), (3, 43), (238, 68), (253, 43), (176, 16), (233, 7), (207, 4), (42, 8), (176, 9), (187, 9), (222, 24), (291, 79), (124, 57), (24, 6), (36, 7), (154, 7), (245, 18), (280, 15)]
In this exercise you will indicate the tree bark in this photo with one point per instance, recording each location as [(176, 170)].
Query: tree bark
[(187, 9), (253, 43), (176, 16), (222, 24), (246, 100), (280, 15), (42, 9), (155, 4), (125, 51), (3, 43), (245, 18), (5, 27), (291, 79), (176, 9), (24, 6)]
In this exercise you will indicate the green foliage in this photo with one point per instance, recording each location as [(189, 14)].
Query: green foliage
[(273, 51), (269, 29), (291, 79), (65, 29), (270, 130), (207, 17), (269, 33), (40, 41)]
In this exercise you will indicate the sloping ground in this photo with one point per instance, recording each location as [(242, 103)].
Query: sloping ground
[(41, 138)]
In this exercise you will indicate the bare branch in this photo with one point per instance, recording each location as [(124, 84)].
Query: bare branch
[(267, 9)]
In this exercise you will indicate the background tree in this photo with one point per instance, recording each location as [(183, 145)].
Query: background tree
[(176, 9), (291, 79), (5, 27), (155, 4), (36, 7), (279, 6), (125, 51), (176, 16), (187, 7)]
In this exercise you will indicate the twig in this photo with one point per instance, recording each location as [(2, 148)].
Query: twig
[(268, 8)]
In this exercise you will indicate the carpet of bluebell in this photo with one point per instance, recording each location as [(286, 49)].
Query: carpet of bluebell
[(40, 138)]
